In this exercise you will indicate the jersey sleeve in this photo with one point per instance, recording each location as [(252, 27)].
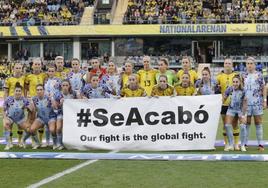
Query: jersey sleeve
[(7, 83), (26, 102), (197, 83), (195, 76), (122, 92), (34, 99), (261, 80), (57, 96), (6, 104), (228, 91)]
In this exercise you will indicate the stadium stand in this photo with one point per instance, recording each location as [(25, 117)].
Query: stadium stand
[(45, 12), (196, 11)]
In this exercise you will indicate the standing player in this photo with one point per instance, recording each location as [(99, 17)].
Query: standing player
[(127, 71), (45, 116), (59, 97), (224, 80), (10, 82), (95, 89), (52, 85), (14, 107), (256, 97), (163, 70), (147, 76), (76, 76), (186, 67), (163, 88), (112, 79), (9, 90), (185, 87), (205, 86), (96, 68), (31, 81), (61, 71), (133, 88), (237, 107)]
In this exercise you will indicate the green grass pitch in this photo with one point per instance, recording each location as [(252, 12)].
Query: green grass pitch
[(117, 174)]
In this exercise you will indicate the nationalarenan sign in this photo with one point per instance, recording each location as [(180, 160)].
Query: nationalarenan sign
[(157, 124)]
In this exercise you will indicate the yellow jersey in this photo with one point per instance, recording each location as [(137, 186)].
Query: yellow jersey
[(157, 91), (126, 92), (125, 79), (62, 75), (193, 75), (10, 84), (184, 91), (33, 80), (225, 80), (147, 80)]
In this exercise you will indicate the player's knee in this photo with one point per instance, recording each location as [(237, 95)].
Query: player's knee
[(59, 130), (7, 126), (52, 130)]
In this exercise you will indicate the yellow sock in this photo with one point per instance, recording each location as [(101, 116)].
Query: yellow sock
[(20, 132), (236, 135), (40, 135)]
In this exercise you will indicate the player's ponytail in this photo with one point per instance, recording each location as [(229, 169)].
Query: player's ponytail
[(17, 85)]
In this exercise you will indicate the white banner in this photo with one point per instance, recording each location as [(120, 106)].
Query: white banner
[(159, 124)]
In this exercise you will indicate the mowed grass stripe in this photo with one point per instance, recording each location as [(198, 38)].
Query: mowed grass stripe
[(21, 173), (121, 174)]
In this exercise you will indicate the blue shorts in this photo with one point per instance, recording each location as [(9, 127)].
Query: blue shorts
[(59, 116), (45, 122), (233, 113), (255, 110), (17, 121)]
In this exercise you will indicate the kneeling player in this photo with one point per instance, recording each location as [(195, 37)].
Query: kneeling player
[(14, 113), (163, 88), (45, 116), (133, 89)]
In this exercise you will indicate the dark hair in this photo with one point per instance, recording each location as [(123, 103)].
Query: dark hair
[(40, 85), (202, 81), (68, 81), (17, 85), (207, 69)]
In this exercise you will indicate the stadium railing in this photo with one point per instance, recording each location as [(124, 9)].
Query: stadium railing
[(169, 20)]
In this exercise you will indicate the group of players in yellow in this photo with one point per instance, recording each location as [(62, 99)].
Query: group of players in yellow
[(100, 82)]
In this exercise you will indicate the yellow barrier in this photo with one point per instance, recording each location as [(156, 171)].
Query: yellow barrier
[(119, 30)]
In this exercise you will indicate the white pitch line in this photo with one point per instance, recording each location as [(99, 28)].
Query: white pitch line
[(63, 173)]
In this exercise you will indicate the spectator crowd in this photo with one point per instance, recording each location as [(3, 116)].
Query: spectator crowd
[(42, 12), (196, 11)]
